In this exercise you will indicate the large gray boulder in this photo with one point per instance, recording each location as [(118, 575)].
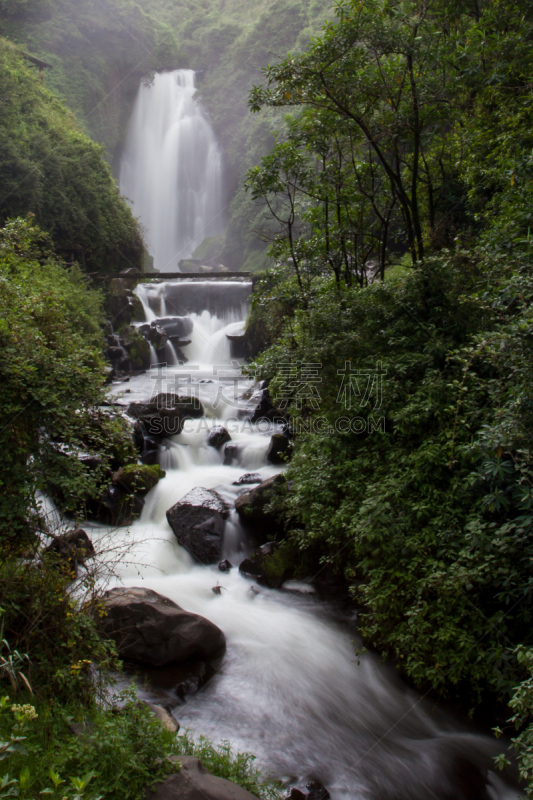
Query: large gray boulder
[(194, 782), (198, 522), (152, 630)]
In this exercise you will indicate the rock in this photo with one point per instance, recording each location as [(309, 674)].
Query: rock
[(138, 478), (239, 346), (136, 346), (231, 453), (115, 507), (266, 566), (251, 506), (166, 719), (217, 589), (72, 548), (157, 337), (175, 327), (198, 522), (153, 630), (247, 478), (265, 410), (279, 449), (90, 460), (194, 782), (225, 566), (316, 791), (296, 794), (218, 436), (165, 414)]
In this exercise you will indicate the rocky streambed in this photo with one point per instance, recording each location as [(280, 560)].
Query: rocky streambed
[(205, 609)]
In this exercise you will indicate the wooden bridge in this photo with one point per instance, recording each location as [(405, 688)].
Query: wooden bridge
[(152, 277)]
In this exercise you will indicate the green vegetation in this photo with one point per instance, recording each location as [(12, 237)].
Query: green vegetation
[(51, 387), (48, 167), (394, 188), (98, 53), (406, 155), (222, 761)]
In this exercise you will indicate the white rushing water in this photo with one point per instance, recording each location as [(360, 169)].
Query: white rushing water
[(290, 687), (171, 169)]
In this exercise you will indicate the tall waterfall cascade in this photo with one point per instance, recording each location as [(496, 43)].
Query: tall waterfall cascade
[(171, 169)]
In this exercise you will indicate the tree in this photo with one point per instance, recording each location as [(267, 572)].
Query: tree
[(385, 69)]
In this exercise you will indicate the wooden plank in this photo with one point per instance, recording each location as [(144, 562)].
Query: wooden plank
[(149, 277)]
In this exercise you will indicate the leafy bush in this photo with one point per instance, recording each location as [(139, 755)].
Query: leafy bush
[(51, 386), (116, 753), (426, 511), (220, 760)]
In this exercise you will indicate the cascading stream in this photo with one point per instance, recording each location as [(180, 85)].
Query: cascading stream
[(290, 688), (171, 169)]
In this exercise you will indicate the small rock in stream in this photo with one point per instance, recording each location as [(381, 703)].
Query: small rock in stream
[(225, 566), (248, 478), (316, 791)]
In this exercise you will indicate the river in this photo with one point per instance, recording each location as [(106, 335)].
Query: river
[(290, 688)]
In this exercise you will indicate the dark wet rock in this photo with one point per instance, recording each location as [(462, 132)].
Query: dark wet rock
[(267, 566), (296, 794), (151, 629), (193, 782), (72, 548), (137, 347), (231, 453), (175, 327), (150, 450), (225, 566), (157, 337), (217, 589), (248, 478), (218, 436), (165, 414), (279, 450), (266, 410), (90, 460), (316, 791), (462, 779), (198, 522), (138, 478), (239, 345), (252, 506), (115, 507)]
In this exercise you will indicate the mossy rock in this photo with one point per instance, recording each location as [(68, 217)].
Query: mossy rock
[(270, 565), (138, 478), (137, 347)]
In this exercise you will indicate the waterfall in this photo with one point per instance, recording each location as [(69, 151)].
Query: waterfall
[(171, 169)]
